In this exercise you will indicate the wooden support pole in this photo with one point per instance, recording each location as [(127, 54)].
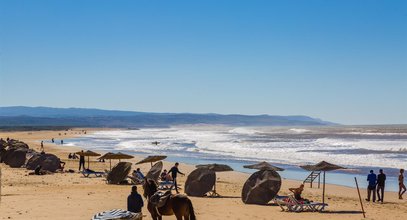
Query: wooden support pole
[(319, 180), (323, 190), (360, 198)]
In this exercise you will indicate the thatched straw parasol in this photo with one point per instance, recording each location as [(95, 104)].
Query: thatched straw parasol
[(216, 168), (115, 156), (322, 166), (88, 154), (263, 166), (152, 159)]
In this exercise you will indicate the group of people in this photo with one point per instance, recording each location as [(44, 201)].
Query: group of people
[(73, 156), (135, 201), (165, 176), (377, 184)]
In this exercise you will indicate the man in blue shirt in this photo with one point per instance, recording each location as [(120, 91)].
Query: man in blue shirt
[(371, 188)]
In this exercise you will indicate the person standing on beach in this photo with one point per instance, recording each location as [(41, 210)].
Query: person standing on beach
[(62, 142), (42, 146), (371, 188), (134, 201), (381, 179), (402, 187), (174, 171), (81, 161)]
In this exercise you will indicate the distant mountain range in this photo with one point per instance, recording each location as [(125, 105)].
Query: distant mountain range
[(82, 117)]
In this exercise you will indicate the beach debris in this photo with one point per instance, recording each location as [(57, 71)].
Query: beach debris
[(119, 173), (199, 182), (155, 171), (261, 187), (263, 166), (48, 162)]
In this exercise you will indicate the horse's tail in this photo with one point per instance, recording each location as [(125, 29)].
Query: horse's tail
[(191, 210)]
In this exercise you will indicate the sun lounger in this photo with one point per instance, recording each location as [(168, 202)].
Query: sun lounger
[(135, 180), (290, 204), (87, 173)]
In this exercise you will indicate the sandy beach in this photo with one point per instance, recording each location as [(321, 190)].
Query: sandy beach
[(71, 196)]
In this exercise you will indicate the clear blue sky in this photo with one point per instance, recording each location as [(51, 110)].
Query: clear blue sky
[(343, 61)]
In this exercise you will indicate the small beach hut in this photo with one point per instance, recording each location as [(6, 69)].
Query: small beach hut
[(215, 168), (88, 154), (115, 156), (263, 166), (152, 159), (322, 166)]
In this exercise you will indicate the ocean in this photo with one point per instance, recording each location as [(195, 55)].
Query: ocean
[(359, 148)]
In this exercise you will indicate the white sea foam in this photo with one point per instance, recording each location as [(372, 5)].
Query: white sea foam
[(242, 144)]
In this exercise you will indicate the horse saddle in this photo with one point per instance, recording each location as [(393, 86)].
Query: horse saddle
[(159, 198)]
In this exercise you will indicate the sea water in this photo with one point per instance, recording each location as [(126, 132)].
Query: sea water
[(357, 148)]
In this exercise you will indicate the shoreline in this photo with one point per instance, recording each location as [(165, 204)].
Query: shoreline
[(292, 172), (71, 196)]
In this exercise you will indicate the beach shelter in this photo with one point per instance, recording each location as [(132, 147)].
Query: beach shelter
[(322, 166), (152, 159), (215, 168), (263, 166), (155, 171), (199, 182), (115, 156), (261, 187), (88, 154)]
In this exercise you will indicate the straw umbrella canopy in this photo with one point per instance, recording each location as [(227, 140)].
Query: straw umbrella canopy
[(115, 156), (322, 166), (263, 166), (88, 154), (216, 168), (152, 159)]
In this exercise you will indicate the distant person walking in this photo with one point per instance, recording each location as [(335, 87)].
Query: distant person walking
[(371, 188), (134, 201), (174, 171), (81, 161), (42, 146), (402, 187), (62, 142), (381, 179), (52, 140)]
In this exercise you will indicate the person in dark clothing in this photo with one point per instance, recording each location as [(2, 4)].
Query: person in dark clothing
[(174, 171), (381, 179), (134, 201), (371, 188), (81, 162)]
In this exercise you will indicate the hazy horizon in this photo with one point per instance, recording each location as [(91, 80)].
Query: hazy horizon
[(340, 61)]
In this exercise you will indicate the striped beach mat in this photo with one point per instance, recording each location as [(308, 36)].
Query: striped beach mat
[(117, 214)]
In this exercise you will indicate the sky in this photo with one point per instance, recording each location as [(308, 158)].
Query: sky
[(343, 61)]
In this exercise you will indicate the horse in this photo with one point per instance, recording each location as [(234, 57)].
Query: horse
[(178, 205)]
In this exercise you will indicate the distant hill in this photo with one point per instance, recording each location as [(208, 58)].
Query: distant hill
[(82, 117)]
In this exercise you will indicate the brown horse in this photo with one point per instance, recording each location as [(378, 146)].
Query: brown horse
[(178, 205)]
